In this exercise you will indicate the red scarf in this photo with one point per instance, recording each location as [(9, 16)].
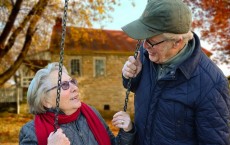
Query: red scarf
[(44, 124)]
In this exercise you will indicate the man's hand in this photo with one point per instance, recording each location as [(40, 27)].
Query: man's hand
[(122, 120), (132, 67)]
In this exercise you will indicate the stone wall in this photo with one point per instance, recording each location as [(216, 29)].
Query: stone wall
[(105, 93)]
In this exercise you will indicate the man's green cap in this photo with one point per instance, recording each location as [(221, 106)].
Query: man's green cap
[(160, 16)]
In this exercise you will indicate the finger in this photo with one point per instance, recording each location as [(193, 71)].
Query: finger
[(131, 68), (121, 120), (131, 64), (59, 130), (118, 120), (128, 74), (120, 113), (128, 71), (119, 123), (51, 134), (131, 59)]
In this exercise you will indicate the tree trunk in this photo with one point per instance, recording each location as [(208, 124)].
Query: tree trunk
[(17, 31), (28, 39), (10, 23)]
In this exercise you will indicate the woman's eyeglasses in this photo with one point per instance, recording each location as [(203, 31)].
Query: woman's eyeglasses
[(65, 85), (150, 43)]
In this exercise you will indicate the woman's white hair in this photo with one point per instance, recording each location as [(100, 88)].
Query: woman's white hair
[(186, 37), (39, 85)]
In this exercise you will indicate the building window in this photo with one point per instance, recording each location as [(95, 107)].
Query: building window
[(75, 65), (99, 66), (106, 107)]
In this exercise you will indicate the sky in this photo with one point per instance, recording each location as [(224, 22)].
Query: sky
[(126, 13)]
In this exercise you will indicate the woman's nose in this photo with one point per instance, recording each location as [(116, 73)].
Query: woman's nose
[(73, 87)]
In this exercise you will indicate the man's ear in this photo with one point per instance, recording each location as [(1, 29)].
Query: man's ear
[(178, 43)]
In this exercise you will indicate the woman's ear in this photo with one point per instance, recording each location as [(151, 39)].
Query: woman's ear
[(47, 102)]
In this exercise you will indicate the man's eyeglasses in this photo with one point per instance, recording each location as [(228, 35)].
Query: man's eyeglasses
[(150, 43), (65, 85)]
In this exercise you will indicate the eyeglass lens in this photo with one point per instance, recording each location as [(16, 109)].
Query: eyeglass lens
[(65, 84), (150, 43)]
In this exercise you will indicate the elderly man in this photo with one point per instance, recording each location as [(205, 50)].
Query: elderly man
[(181, 96)]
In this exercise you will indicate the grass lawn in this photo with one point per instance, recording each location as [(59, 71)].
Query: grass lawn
[(10, 124)]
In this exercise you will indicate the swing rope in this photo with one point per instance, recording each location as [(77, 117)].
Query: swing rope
[(64, 19)]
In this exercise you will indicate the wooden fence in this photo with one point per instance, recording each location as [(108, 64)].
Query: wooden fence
[(9, 95)]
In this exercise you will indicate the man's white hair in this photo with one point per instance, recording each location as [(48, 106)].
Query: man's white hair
[(185, 37)]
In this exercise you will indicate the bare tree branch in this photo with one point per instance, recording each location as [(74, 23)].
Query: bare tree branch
[(29, 34), (10, 23)]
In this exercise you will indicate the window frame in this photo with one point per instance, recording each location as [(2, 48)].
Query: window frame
[(80, 65), (94, 66)]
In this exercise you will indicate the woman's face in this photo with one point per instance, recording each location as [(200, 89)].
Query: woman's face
[(69, 98)]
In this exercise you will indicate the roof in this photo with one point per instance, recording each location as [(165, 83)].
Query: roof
[(88, 40), (92, 40)]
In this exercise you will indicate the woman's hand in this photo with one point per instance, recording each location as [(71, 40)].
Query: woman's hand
[(58, 138), (122, 120)]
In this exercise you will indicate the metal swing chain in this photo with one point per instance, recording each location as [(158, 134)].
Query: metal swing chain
[(130, 79), (129, 86), (60, 64)]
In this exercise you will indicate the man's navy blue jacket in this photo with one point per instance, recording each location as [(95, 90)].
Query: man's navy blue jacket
[(189, 106)]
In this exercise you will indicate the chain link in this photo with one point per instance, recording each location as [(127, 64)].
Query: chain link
[(128, 88), (64, 19), (130, 79)]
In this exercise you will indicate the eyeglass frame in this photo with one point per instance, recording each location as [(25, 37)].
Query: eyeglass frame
[(73, 81), (152, 45)]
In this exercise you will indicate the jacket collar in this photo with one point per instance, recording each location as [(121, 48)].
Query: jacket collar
[(189, 65)]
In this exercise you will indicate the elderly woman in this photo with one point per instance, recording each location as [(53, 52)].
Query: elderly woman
[(79, 124)]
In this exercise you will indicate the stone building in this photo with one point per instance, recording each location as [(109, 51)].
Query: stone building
[(95, 58)]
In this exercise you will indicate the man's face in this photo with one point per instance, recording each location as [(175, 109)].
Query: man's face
[(159, 49)]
